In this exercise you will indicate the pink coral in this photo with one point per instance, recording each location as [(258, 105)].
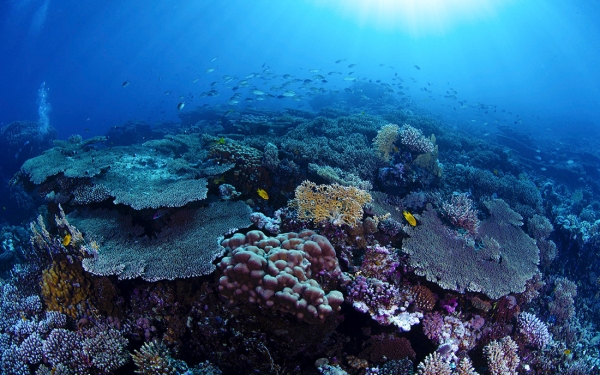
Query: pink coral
[(462, 213), (280, 273)]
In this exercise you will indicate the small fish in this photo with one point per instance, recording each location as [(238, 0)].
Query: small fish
[(289, 93), (168, 92), (410, 218), (210, 70), (350, 79), (417, 67), (314, 70), (125, 84), (180, 106), (160, 213), (213, 59), (352, 66), (195, 80), (339, 61), (263, 194), (258, 92), (66, 240), (219, 180)]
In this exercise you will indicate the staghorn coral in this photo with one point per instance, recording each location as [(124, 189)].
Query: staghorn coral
[(462, 213), (502, 357), (503, 264), (414, 139), (434, 364), (342, 143), (533, 330), (465, 367), (186, 247), (333, 203)]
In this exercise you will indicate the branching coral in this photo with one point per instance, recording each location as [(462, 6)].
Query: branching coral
[(414, 139), (384, 141), (502, 357), (462, 213), (333, 203), (154, 358)]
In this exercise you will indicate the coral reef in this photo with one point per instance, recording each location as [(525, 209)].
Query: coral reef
[(212, 253)]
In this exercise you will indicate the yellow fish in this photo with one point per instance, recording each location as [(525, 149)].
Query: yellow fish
[(263, 194), (66, 240), (220, 141), (217, 181), (410, 218)]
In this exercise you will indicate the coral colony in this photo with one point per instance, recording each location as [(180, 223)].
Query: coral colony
[(280, 247)]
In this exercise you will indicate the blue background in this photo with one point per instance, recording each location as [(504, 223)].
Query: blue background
[(537, 59)]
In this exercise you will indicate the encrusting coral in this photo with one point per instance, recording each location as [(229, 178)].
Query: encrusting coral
[(66, 289)]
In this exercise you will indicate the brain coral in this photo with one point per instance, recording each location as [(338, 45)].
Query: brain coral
[(281, 273), (500, 262)]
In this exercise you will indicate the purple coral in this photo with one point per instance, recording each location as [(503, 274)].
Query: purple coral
[(378, 298), (534, 330), (379, 262)]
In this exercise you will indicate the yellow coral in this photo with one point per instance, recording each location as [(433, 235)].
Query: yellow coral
[(334, 203), (384, 141), (66, 289)]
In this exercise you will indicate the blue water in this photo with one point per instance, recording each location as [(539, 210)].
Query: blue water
[(535, 59)]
